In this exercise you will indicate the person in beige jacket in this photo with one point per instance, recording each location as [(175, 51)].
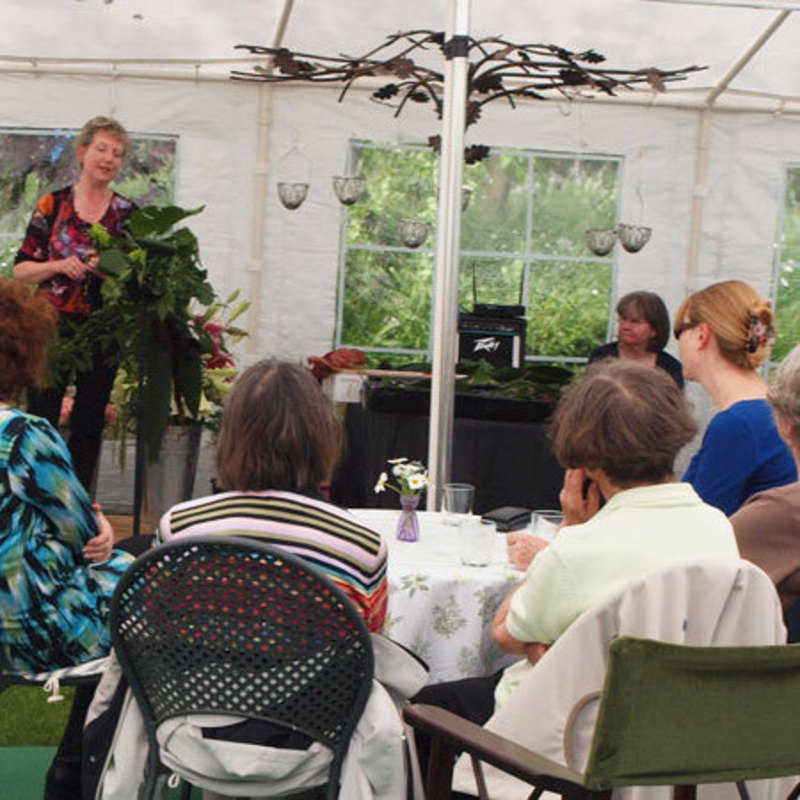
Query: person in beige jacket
[(620, 426), (767, 526)]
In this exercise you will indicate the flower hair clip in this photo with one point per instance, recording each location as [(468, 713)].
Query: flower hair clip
[(759, 334)]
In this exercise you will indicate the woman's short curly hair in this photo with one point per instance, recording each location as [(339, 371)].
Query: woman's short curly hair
[(628, 419), (279, 431), (106, 125), (27, 325)]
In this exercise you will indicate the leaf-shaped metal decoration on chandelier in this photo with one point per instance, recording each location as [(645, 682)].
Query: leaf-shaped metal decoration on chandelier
[(499, 70)]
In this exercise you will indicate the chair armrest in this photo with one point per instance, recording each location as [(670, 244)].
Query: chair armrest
[(460, 734)]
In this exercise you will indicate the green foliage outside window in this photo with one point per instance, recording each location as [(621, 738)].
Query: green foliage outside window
[(787, 301), (522, 239), (34, 162)]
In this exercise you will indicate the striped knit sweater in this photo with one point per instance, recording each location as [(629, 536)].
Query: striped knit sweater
[(350, 554)]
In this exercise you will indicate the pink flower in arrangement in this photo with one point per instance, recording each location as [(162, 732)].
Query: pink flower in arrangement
[(66, 409), (218, 357)]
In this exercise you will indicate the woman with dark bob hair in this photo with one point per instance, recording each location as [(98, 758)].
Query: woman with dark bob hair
[(280, 440), (620, 425), (642, 334), (57, 567)]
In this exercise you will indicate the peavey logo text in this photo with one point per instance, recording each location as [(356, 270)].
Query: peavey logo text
[(488, 343)]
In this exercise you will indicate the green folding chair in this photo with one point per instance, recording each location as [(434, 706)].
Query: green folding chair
[(670, 715)]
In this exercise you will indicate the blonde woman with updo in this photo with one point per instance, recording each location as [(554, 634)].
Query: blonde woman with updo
[(725, 333)]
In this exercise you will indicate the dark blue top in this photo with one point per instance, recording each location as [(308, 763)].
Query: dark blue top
[(741, 454), (663, 360)]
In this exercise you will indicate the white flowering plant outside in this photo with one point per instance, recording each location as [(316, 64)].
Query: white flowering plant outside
[(412, 477)]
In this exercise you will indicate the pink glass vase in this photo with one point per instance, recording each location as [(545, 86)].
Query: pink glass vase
[(408, 524)]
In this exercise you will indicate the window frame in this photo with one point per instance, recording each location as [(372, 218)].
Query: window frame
[(527, 256)]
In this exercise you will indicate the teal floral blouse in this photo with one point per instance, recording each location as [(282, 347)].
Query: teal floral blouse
[(53, 603)]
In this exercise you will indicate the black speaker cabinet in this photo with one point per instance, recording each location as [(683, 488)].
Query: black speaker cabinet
[(500, 341)]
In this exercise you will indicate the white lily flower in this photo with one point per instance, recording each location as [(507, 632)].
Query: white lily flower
[(380, 486)]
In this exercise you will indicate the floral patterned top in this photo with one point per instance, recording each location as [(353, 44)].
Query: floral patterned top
[(53, 603), (56, 231)]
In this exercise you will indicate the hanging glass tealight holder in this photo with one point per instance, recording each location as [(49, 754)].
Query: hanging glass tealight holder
[(349, 190), (413, 232), (292, 195)]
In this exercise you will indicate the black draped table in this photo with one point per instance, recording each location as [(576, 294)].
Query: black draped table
[(509, 463)]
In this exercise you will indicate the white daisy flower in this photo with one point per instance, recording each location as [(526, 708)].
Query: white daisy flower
[(416, 482)]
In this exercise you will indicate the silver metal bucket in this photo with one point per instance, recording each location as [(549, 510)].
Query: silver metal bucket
[(170, 479)]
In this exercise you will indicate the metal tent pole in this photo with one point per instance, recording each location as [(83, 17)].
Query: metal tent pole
[(445, 333)]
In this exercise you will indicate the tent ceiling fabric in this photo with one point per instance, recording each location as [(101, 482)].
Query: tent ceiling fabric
[(630, 33)]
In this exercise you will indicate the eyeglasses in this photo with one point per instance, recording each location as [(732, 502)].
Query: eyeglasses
[(684, 326)]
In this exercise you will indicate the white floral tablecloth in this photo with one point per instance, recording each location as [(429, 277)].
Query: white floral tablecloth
[(438, 608)]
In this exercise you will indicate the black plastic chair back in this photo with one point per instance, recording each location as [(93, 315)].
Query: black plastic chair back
[(227, 625)]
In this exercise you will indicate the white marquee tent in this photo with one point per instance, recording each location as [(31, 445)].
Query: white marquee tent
[(704, 163)]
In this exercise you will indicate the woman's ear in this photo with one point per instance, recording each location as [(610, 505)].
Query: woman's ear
[(705, 335)]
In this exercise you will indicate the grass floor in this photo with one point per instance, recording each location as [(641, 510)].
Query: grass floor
[(27, 719), (30, 730)]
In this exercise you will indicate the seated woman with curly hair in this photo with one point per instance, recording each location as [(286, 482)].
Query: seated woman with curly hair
[(57, 566)]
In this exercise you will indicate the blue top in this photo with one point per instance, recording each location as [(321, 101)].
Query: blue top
[(741, 454), (53, 603)]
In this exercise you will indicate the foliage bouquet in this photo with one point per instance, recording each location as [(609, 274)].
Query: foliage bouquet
[(215, 334), (153, 278), (412, 478)]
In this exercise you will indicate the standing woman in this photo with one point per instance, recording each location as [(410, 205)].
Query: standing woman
[(642, 334), (57, 255), (725, 333)]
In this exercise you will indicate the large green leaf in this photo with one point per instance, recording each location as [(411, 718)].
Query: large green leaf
[(154, 220), (112, 262), (157, 389), (189, 378)]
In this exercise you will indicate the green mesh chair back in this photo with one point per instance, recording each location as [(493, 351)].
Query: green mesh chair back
[(672, 714), (226, 625)]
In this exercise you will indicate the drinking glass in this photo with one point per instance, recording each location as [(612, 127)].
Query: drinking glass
[(477, 540), (458, 499), (546, 522)]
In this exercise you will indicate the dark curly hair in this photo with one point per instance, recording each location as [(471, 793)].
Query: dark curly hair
[(27, 325)]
